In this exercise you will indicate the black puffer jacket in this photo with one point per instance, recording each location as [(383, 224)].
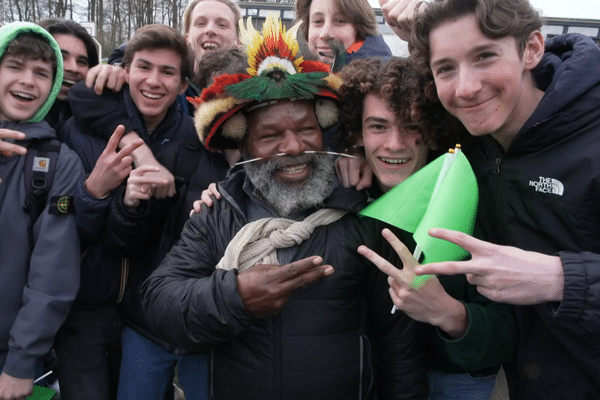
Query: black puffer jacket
[(150, 231), (543, 195), (317, 346)]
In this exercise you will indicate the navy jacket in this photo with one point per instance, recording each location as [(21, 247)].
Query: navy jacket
[(373, 46), (106, 265), (543, 195)]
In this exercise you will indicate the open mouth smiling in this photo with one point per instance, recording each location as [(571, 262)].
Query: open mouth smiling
[(68, 82), (151, 96), (210, 46), (394, 161), (293, 169), (23, 96)]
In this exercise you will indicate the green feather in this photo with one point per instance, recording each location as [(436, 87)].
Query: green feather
[(279, 85), (339, 54)]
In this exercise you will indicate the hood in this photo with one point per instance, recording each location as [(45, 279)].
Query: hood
[(569, 68), (9, 32), (373, 46)]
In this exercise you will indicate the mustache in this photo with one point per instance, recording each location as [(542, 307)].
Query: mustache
[(308, 152)]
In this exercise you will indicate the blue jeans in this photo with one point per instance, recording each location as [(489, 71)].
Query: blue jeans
[(445, 386), (147, 370)]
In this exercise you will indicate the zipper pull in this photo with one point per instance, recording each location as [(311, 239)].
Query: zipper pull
[(497, 166)]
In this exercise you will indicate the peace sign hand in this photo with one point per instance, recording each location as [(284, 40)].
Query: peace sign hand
[(429, 303), (503, 274), (112, 166)]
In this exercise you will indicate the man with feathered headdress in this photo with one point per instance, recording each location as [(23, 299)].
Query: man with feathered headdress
[(268, 280)]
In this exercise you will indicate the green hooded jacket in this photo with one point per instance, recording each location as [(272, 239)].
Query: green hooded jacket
[(9, 32)]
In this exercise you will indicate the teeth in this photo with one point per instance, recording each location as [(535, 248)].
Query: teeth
[(209, 46), (69, 82), (394, 160), (152, 96), (25, 96), (294, 169)]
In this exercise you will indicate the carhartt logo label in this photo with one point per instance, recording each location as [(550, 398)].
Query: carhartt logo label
[(548, 185), (41, 164)]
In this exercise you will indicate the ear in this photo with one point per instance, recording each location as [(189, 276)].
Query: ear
[(534, 50), (126, 73), (431, 92), (184, 86)]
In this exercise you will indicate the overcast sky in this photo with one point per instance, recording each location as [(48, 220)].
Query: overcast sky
[(587, 9)]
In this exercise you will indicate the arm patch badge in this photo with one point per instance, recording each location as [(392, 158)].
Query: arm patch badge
[(61, 205)]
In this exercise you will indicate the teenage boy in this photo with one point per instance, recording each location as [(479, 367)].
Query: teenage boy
[(39, 253), (209, 25), (79, 55), (386, 113), (535, 122), (156, 63)]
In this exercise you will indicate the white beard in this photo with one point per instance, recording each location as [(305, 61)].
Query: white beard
[(286, 198)]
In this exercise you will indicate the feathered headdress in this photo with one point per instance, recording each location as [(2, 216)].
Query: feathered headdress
[(275, 74)]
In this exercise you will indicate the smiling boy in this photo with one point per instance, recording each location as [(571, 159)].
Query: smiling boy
[(39, 257), (156, 63), (79, 55), (386, 113), (532, 108)]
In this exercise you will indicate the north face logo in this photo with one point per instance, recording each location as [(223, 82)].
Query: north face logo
[(548, 185)]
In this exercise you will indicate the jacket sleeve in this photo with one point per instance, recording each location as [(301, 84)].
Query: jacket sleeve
[(129, 230), (401, 371), (91, 211), (575, 321), (53, 278), (100, 115), (186, 300), (491, 337), (90, 215), (116, 56)]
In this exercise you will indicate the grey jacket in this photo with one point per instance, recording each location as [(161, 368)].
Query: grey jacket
[(38, 279)]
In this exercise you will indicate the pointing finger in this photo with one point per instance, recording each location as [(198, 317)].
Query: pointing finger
[(150, 180), (115, 138), (448, 268), (130, 148), (405, 255), (307, 271), (144, 169), (467, 242), (384, 266)]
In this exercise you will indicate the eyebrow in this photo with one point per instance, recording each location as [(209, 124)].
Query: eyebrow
[(45, 69), (224, 20), (218, 19), (79, 58), (476, 49), (165, 66), (376, 119), (14, 60)]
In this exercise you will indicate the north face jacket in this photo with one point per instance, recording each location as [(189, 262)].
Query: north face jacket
[(543, 195)]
